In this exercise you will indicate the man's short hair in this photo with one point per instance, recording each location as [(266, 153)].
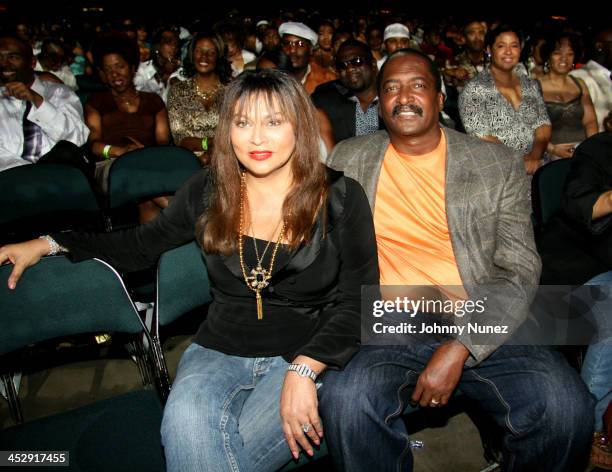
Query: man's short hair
[(357, 44), (431, 65), (26, 49)]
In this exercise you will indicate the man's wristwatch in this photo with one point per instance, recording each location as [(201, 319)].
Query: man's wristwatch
[(303, 371)]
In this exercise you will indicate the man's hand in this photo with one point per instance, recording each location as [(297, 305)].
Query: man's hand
[(441, 375), (21, 91)]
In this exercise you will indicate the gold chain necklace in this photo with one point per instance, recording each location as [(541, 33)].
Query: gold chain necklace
[(204, 95), (259, 277)]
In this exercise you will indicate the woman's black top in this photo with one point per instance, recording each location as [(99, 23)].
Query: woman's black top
[(312, 305)]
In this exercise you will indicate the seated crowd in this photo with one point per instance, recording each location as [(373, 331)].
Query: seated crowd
[(433, 132)]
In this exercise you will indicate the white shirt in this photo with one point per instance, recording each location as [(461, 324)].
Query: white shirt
[(597, 79), (64, 74), (60, 118), (145, 81), (247, 56)]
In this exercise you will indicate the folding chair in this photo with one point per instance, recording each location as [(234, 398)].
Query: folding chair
[(547, 189), (146, 173), (182, 286), (58, 298), (45, 198)]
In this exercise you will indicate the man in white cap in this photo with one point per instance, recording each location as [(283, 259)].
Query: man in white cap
[(396, 36), (297, 41)]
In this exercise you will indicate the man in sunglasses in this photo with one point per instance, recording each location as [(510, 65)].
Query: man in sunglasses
[(297, 41), (351, 102)]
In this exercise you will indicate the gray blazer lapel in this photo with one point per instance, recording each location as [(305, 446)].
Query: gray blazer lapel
[(459, 179), (370, 167), (361, 159)]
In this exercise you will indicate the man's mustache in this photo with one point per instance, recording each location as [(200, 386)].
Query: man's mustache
[(397, 109)]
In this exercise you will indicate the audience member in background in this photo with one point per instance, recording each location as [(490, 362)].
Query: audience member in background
[(534, 60), (273, 60), (396, 36), (251, 41), (233, 37), (55, 58), (324, 54), (193, 105), (351, 102), (122, 119), (471, 61), (298, 41), (502, 106), (341, 35), (575, 249), (374, 39), (156, 74), (596, 75), (567, 99), (434, 46), (270, 40), (41, 122), (144, 46)]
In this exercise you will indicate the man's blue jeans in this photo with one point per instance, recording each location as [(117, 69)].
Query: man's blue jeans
[(223, 414), (597, 367), (542, 405)]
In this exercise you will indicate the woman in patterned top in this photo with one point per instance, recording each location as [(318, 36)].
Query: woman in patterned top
[(193, 105), (502, 106)]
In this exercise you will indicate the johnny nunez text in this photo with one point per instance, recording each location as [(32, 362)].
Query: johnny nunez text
[(434, 328)]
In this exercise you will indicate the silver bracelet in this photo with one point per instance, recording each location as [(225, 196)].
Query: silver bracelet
[(54, 247)]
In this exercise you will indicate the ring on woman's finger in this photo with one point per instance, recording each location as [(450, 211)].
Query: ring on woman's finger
[(306, 427), (434, 402)]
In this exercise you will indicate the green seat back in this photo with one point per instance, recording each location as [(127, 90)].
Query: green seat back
[(58, 298), (32, 190), (182, 282), (119, 434), (149, 172), (547, 190)]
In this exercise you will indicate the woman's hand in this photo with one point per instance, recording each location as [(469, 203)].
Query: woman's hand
[(565, 150), (531, 163), (22, 255), (491, 139), (133, 145), (299, 407)]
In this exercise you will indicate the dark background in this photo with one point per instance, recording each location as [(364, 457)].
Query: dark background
[(518, 11)]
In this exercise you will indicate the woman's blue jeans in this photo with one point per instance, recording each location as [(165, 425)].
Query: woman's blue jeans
[(223, 414)]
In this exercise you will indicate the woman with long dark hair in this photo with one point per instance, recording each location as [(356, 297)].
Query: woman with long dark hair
[(288, 244)]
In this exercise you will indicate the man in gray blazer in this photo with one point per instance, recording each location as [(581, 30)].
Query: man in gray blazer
[(530, 391)]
